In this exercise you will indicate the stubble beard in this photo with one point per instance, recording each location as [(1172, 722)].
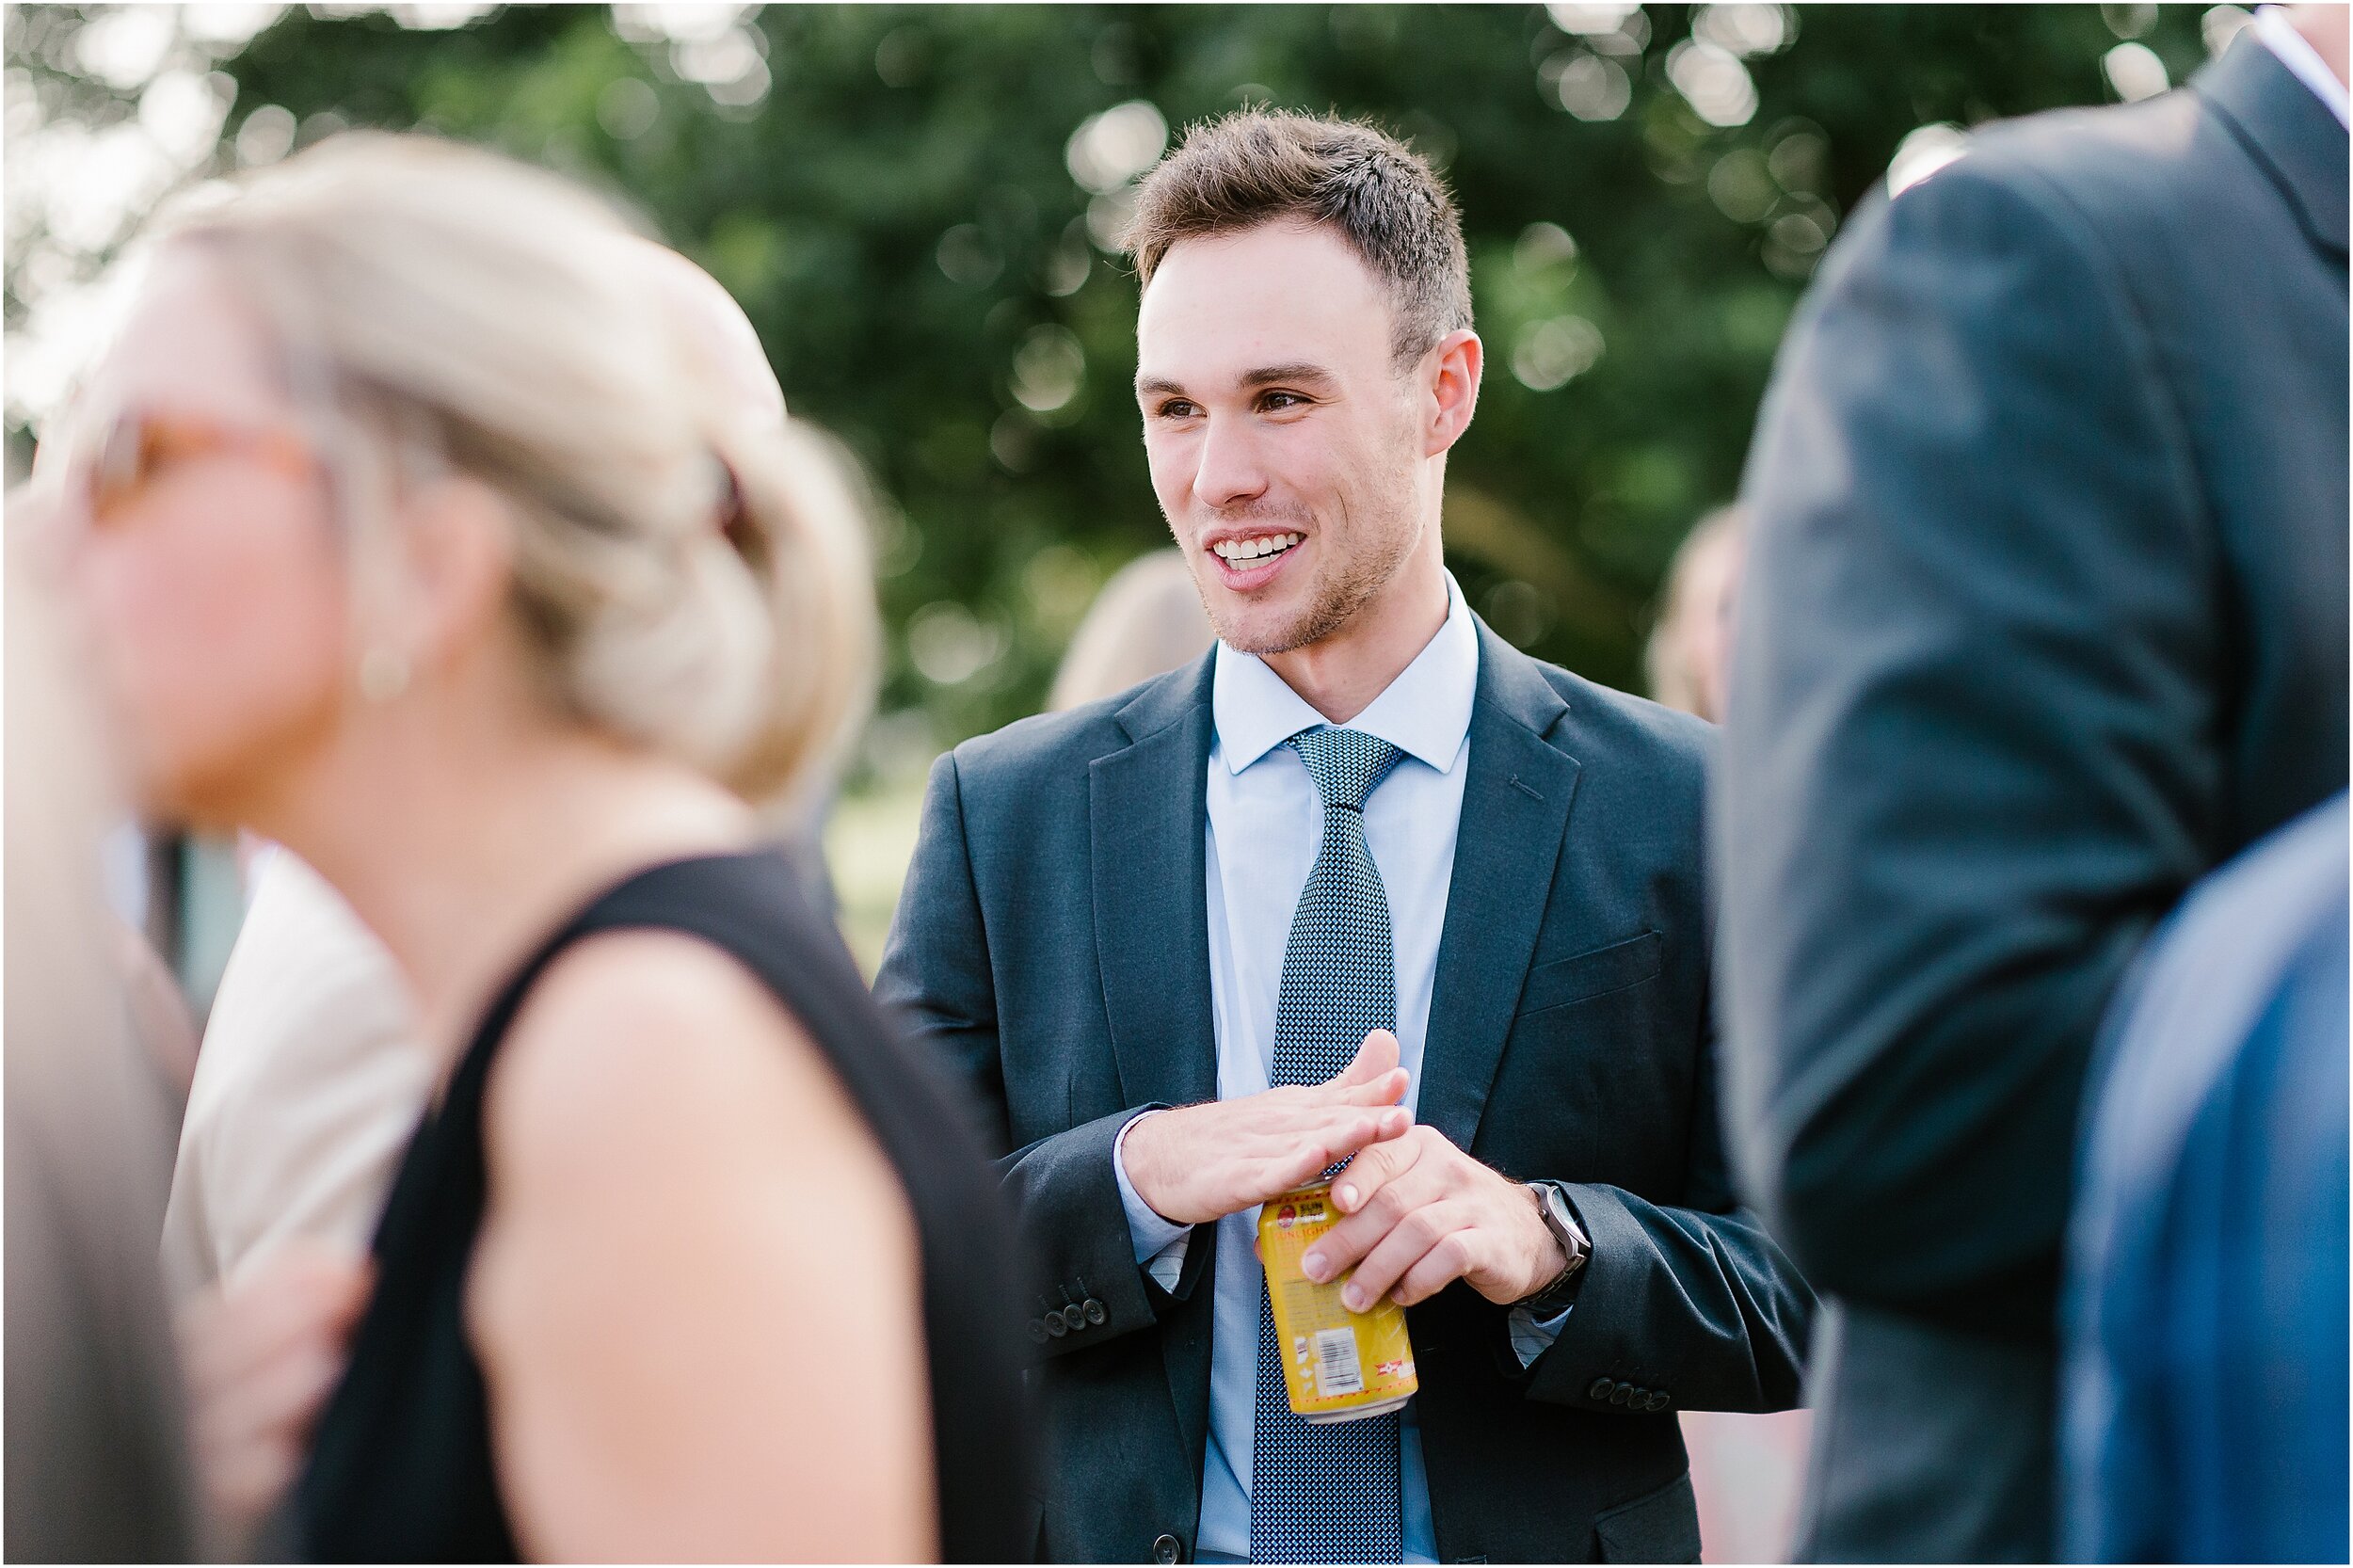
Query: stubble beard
[(1338, 594)]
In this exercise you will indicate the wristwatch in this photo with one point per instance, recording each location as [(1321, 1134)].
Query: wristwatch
[(1552, 1206)]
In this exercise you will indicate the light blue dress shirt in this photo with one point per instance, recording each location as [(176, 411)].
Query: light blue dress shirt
[(1266, 821)]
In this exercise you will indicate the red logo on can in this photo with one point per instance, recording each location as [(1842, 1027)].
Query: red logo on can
[(1285, 1215)]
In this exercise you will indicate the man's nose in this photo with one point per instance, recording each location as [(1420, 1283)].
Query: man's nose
[(1229, 469)]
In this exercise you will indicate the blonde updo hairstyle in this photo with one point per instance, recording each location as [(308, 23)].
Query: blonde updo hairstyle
[(691, 569)]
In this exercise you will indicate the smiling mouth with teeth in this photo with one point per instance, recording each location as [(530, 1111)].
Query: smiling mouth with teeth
[(1244, 553)]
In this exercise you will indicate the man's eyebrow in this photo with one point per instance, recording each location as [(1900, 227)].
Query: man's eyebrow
[(1267, 376), (1302, 373)]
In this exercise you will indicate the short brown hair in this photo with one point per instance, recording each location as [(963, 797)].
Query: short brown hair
[(1264, 166)]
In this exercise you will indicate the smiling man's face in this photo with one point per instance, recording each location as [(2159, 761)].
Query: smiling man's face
[(1284, 441)]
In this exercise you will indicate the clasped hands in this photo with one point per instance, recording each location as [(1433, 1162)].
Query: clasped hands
[(1419, 1212)]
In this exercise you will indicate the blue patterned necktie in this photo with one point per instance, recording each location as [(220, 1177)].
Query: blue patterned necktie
[(1329, 1493)]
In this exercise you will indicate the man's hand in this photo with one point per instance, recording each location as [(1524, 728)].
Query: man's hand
[(1421, 1215), (1206, 1161), (261, 1356)]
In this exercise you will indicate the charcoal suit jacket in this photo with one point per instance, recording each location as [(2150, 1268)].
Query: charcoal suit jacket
[(1051, 944), (2045, 617)]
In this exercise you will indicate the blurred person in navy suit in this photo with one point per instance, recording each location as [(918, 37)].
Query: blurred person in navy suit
[(2049, 547), (2205, 1412)]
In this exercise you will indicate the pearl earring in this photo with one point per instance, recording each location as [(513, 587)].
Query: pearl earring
[(383, 674)]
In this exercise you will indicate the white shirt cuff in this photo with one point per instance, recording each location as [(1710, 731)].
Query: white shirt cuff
[(1160, 1243), (1532, 1339)]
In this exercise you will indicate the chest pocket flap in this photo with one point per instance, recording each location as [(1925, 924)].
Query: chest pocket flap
[(1564, 982)]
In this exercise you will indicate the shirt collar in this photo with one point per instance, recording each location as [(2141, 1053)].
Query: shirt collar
[(1424, 712), (2278, 35)]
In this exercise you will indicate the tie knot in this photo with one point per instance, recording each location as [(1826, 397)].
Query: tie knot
[(1346, 765)]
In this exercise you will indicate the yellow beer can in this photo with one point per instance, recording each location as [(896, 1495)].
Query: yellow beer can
[(1338, 1365)]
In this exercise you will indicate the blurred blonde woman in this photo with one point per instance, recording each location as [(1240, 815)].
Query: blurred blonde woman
[(412, 540), (312, 1074), (1690, 653)]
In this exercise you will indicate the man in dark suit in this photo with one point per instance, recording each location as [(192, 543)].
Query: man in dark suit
[(1363, 853), (2045, 617)]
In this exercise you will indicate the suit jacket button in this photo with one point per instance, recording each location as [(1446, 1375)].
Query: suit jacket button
[(1094, 1311), (1074, 1316), (1623, 1392), (1599, 1393), (1037, 1330), (1055, 1326), (1657, 1402), (1167, 1549)]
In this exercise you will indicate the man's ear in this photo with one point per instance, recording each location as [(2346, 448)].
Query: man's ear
[(1451, 389), (458, 543)]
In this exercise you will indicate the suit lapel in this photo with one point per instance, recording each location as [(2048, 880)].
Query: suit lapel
[(1515, 813), (1148, 808), (2289, 131), (1147, 805)]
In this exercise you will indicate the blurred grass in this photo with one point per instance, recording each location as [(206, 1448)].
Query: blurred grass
[(869, 840)]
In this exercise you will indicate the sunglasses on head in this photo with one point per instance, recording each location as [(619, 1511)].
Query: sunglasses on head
[(140, 446)]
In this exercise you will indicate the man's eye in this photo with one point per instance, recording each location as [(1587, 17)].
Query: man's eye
[(1175, 408), (1280, 400)]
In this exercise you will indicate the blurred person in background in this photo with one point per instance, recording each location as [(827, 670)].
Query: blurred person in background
[(1745, 1469), (313, 1073), (1688, 656), (160, 1019), (413, 539), (314, 1067), (2048, 545), (97, 1449), (1330, 868), (1146, 621), (2204, 1410)]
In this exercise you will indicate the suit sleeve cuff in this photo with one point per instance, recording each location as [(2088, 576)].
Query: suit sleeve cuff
[(1607, 1336)]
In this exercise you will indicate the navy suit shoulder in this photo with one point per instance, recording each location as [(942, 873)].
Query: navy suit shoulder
[(1603, 714), (1678, 745), (1032, 751), (2239, 136), (2115, 160), (1048, 740), (1654, 752), (2143, 173)]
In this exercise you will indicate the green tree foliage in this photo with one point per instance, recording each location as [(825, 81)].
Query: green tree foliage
[(894, 193)]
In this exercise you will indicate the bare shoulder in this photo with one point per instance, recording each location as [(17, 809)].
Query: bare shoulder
[(657, 1045), (667, 1145)]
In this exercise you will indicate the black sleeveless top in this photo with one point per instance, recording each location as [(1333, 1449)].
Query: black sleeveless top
[(401, 1467)]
